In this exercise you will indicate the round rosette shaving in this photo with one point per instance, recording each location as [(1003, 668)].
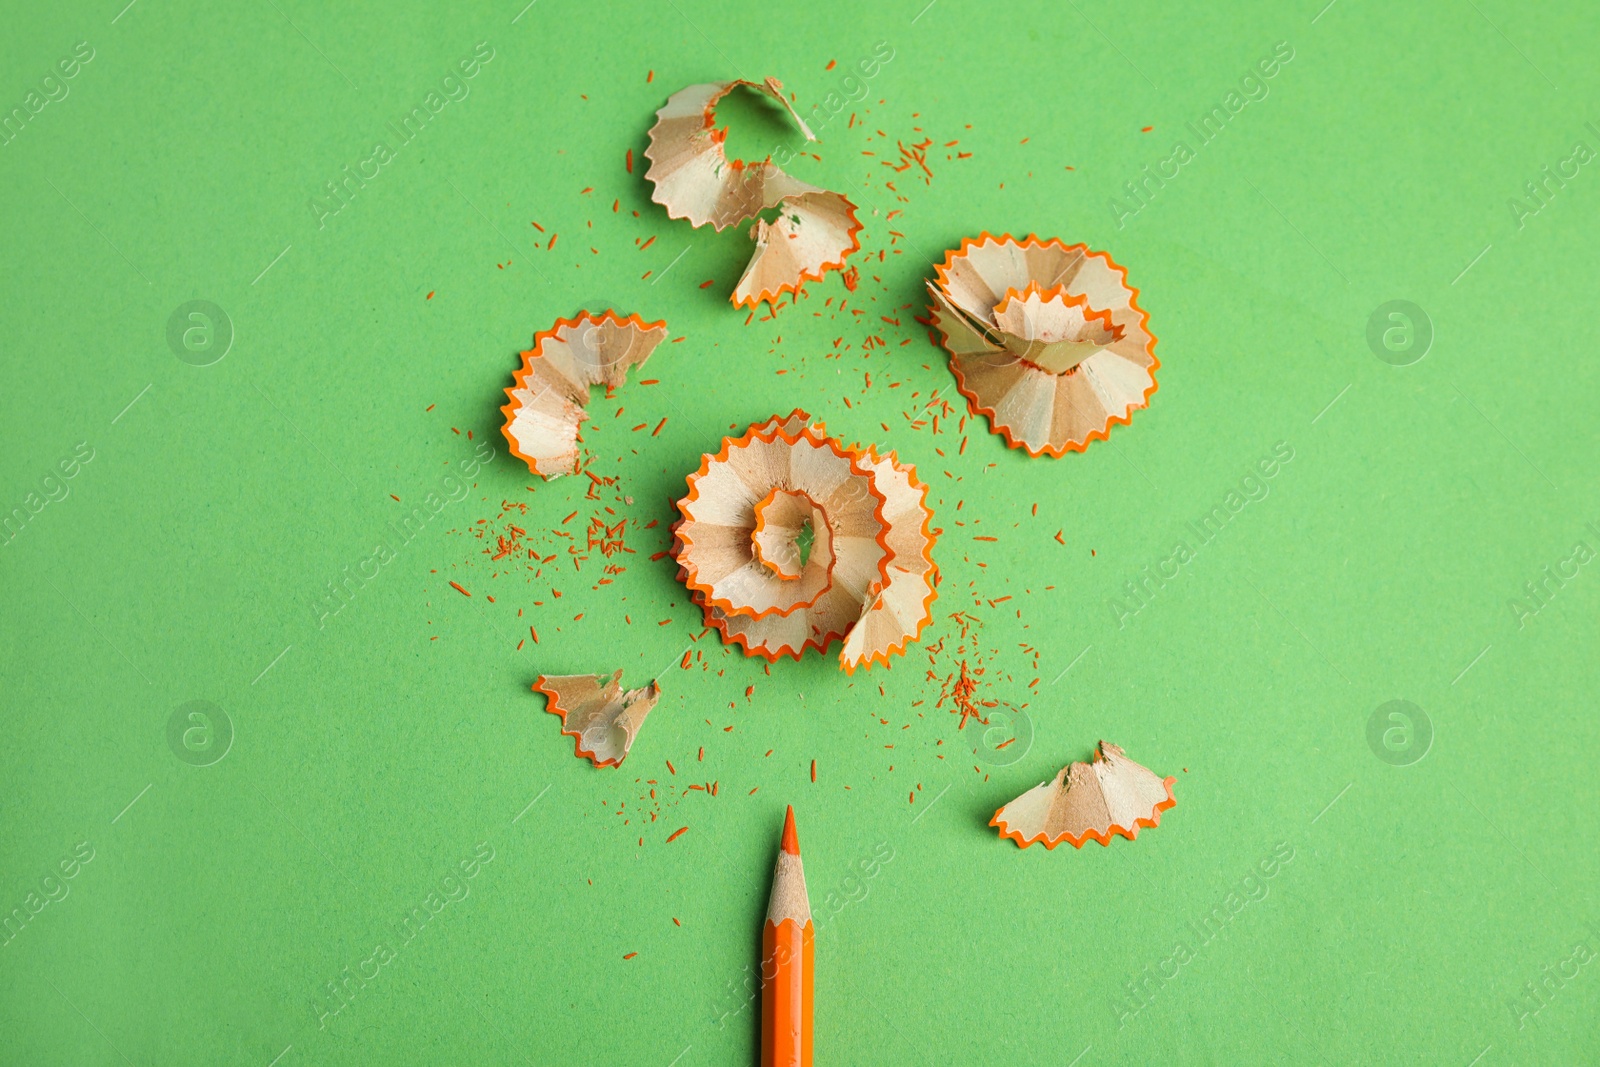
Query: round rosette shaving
[(1046, 339), (790, 540)]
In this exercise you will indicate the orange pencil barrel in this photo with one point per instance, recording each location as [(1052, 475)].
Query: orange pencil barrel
[(788, 961)]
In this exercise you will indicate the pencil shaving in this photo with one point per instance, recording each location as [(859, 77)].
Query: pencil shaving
[(1052, 328), (898, 608), (548, 392), (815, 232), (1045, 339), (1111, 795), (602, 719), (691, 174), (868, 578), (781, 518)]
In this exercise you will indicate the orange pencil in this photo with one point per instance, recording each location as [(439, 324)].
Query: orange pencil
[(788, 946)]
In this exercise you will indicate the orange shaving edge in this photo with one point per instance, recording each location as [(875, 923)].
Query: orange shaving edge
[(1129, 832), (977, 408)]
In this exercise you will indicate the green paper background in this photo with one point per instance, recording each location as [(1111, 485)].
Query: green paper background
[(376, 748)]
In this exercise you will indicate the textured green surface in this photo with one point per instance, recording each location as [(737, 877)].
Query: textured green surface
[(377, 748)]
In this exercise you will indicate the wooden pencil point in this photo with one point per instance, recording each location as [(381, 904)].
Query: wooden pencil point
[(788, 947)]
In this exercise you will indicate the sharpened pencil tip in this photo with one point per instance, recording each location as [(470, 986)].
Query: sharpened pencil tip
[(791, 841)]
